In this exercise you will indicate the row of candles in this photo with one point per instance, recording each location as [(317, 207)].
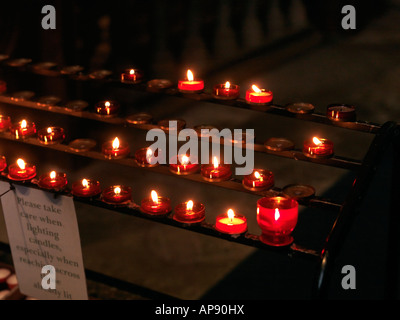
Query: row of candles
[(277, 216)]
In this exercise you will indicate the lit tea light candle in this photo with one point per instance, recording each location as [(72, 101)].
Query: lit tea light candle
[(226, 91), (258, 96), (156, 205), (341, 112), (86, 188), (117, 194), (260, 179), (3, 163), (145, 157), (318, 148), (115, 149), (132, 76), (190, 85), (53, 180), (189, 212), (231, 223), (21, 171), (107, 108), (277, 218), (5, 123), (216, 172), (184, 165), (51, 135), (23, 129)]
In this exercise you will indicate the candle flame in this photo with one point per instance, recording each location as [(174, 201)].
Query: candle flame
[(190, 76), (21, 164), (52, 175), (154, 196), (184, 160), (107, 104), (23, 124), (227, 85), (49, 130), (117, 190), (255, 88), (316, 141), (85, 183), (132, 71), (257, 175), (189, 205), (149, 153), (115, 143), (215, 163), (231, 214), (277, 214)]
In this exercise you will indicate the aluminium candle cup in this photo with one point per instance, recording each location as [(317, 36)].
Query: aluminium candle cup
[(110, 152), (139, 118), (132, 76), (20, 132), (58, 182), (221, 92), (124, 195), (51, 135), (107, 108), (277, 218), (323, 150), (184, 169), (211, 174), (162, 207), (341, 112), (17, 174), (159, 85), (195, 215), (5, 123), (264, 181), (300, 107), (92, 188), (235, 226), (3, 163)]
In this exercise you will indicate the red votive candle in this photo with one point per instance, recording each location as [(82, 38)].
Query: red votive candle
[(156, 205), (86, 188), (258, 96), (3, 87), (189, 212), (190, 85), (231, 223), (107, 108), (341, 112), (5, 123), (184, 165), (51, 135), (144, 157), (226, 91), (216, 172), (21, 171), (23, 129), (53, 180), (131, 76), (3, 163), (115, 149), (318, 148), (259, 179), (117, 194), (277, 217)]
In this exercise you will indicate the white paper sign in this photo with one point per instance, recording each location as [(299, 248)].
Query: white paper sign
[(43, 230)]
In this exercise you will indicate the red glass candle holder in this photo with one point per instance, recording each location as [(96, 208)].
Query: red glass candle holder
[(53, 180), (21, 171), (190, 85), (115, 149), (145, 157), (3, 163), (23, 129), (107, 108), (156, 205), (318, 148), (86, 188), (341, 112), (5, 123), (277, 218), (117, 194), (231, 223), (132, 76), (3, 87), (184, 165), (189, 212), (258, 96), (51, 135), (259, 179), (216, 172), (226, 91)]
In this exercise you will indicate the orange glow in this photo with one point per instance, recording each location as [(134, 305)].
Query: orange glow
[(149, 154), (132, 71), (154, 196), (227, 85), (107, 104), (189, 205), (21, 164), (215, 163), (115, 143), (231, 214), (117, 190), (255, 88), (49, 130), (277, 214), (190, 76), (23, 124), (316, 141), (85, 183), (184, 160)]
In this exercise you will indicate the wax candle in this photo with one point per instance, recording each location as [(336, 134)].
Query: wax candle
[(231, 223), (107, 108), (5, 123), (156, 205), (318, 148), (21, 171), (117, 194), (184, 165), (145, 157), (341, 112), (190, 84), (226, 91), (216, 172), (53, 180), (51, 135), (23, 129), (159, 85), (189, 212), (139, 118), (115, 149), (86, 188), (3, 163), (258, 96), (131, 76), (259, 179), (277, 217)]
